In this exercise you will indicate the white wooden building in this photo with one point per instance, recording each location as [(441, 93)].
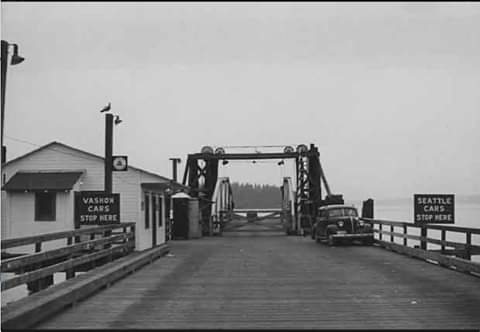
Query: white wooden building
[(38, 193)]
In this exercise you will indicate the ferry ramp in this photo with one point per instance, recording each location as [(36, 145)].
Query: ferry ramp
[(280, 282)]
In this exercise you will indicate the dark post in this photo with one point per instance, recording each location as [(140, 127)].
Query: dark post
[(468, 246), (16, 59), (69, 273), (76, 221), (4, 81), (423, 242), (108, 152), (367, 209), (405, 235), (444, 237), (41, 283), (175, 161)]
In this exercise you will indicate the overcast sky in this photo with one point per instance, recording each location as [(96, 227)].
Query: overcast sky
[(389, 92)]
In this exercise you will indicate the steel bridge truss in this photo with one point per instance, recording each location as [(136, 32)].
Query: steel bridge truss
[(299, 204)]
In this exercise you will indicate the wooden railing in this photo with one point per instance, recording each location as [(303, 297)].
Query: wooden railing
[(81, 252), (451, 253)]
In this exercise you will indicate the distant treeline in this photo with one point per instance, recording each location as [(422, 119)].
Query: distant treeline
[(256, 196)]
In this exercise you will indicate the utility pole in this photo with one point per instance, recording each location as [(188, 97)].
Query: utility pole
[(108, 152), (175, 161), (4, 81), (16, 59)]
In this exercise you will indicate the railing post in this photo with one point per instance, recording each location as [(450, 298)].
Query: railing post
[(468, 246), (92, 237), (443, 240), (391, 235), (77, 239), (380, 234), (70, 273), (132, 229), (423, 234), (405, 235), (41, 283), (124, 242), (107, 234)]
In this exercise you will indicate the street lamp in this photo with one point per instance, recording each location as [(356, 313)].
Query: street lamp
[(16, 59), (109, 146)]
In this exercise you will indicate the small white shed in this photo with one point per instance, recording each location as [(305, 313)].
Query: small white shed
[(38, 193)]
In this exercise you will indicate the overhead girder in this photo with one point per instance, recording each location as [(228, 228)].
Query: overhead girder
[(201, 171), (202, 177), (288, 206), (303, 200), (222, 206)]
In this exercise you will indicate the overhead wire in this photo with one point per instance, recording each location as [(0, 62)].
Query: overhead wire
[(66, 153), (255, 146), (135, 184)]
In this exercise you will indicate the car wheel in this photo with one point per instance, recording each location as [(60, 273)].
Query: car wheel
[(331, 240), (368, 242)]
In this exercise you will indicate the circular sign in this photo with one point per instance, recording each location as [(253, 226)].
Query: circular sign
[(207, 149), (219, 151), (302, 148), (288, 149), (120, 163)]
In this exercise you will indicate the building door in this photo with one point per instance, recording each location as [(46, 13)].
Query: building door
[(180, 218), (154, 220)]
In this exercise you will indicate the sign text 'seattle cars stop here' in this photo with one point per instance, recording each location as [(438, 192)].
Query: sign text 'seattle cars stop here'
[(434, 208)]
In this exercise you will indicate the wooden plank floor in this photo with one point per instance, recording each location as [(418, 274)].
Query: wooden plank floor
[(280, 282)]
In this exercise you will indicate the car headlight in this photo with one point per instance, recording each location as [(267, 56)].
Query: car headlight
[(340, 223), (361, 222)]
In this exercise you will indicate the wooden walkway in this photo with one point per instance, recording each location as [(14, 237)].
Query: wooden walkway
[(280, 282)]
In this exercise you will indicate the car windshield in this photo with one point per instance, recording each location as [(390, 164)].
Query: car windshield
[(342, 212)]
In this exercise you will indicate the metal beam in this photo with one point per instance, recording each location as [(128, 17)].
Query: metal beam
[(246, 156), (257, 210)]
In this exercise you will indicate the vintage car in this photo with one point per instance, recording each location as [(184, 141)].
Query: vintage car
[(340, 223)]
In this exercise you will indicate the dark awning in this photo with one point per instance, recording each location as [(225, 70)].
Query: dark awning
[(40, 181)]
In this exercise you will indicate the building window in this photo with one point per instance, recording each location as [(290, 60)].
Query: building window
[(154, 210), (45, 206), (147, 211), (160, 212)]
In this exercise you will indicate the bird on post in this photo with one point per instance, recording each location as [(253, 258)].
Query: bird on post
[(117, 120), (106, 108)]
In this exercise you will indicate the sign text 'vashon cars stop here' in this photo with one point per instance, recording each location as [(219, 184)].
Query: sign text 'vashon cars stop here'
[(434, 208), (97, 208)]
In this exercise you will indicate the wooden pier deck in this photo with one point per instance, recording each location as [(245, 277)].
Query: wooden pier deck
[(280, 282)]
